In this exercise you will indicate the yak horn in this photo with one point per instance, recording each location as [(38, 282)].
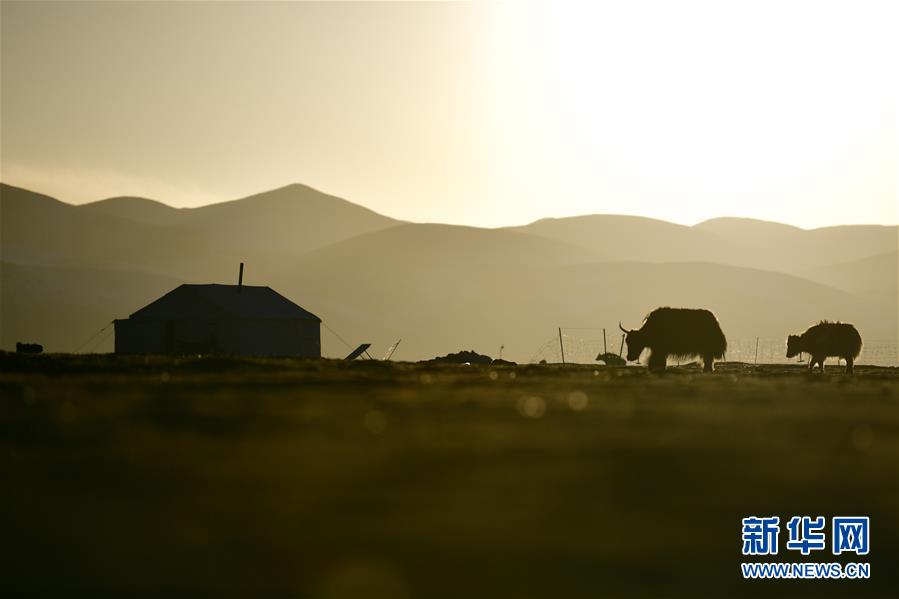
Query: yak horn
[(622, 328)]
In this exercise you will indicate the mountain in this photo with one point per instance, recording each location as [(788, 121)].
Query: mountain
[(618, 237), (64, 308), (775, 246), (873, 277), (391, 278), (288, 220), (737, 241), (294, 218), (750, 230), (36, 229), (202, 243), (443, 289), (141, 210), (69, 270)]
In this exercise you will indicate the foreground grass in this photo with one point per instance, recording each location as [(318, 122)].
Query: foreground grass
[(315, 478)]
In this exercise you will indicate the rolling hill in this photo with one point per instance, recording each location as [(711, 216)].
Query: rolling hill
[(147, 236), (775, 246), (140, 210), (618, 237), (67, 270), (65, 308), (737, 241), (873, 277), (439, 301)]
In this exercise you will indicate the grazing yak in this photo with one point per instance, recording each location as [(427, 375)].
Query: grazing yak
[(679, 332), (825, 340)]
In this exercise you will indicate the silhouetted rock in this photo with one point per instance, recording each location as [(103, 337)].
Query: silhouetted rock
[(462, 357), (610, 359), (501, 362)]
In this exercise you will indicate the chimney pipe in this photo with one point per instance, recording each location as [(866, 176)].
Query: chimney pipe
[(240, 277)]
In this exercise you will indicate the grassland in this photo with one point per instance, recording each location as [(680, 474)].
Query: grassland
[(163, 477)]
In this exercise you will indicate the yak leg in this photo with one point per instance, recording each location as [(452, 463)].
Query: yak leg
[(707, 361), (819, 360), (850, 364), (657, 361)]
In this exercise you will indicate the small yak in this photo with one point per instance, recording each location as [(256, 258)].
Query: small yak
[(679, 332), (825, 340)]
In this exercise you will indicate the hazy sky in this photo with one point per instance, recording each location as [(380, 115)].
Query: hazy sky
[(475, 113)]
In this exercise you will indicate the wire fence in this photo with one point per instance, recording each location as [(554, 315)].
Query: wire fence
[(875, 352), (583, 346)]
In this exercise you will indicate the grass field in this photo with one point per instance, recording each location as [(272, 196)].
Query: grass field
[(164, 477)]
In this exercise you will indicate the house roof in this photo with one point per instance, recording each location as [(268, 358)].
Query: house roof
[(223, 301)]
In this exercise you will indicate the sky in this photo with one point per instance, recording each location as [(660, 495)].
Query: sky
[(485, 114)]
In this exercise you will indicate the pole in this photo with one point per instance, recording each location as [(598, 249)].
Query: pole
[(756, 350), (393, 349), (561, 347), (621, 349), (605, 349)]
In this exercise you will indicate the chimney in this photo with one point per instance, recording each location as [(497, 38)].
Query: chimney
[(240, 278)]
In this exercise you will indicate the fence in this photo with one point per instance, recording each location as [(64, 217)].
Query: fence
[(875, 352), (583, 345)]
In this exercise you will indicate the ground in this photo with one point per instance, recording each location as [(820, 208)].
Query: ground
[(161, 476)]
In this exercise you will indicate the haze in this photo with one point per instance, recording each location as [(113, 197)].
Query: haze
[(485, 114)]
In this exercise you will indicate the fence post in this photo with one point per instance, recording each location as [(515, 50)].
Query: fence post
[(561, 347)]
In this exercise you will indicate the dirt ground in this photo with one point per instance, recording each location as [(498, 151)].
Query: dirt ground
[(163, 476)]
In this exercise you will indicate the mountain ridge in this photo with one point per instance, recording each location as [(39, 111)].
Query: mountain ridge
[(440, 287), (296, 186)]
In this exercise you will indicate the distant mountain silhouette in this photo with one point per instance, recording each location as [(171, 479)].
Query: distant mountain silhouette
[(619, 237), (738, 241), (288, 220), (874, 277), (65, 307), (141, 210), (753, 229), (67, 270), (39, 230), (515, 294), (143, 235), (776, 246)]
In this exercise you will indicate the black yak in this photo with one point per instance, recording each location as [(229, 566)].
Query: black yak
[(679, 332), (825, 340)]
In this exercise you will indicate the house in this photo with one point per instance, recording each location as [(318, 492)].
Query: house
[(220, 319)]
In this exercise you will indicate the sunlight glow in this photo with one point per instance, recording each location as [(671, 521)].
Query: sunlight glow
[(690, 110), (476, 113)]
